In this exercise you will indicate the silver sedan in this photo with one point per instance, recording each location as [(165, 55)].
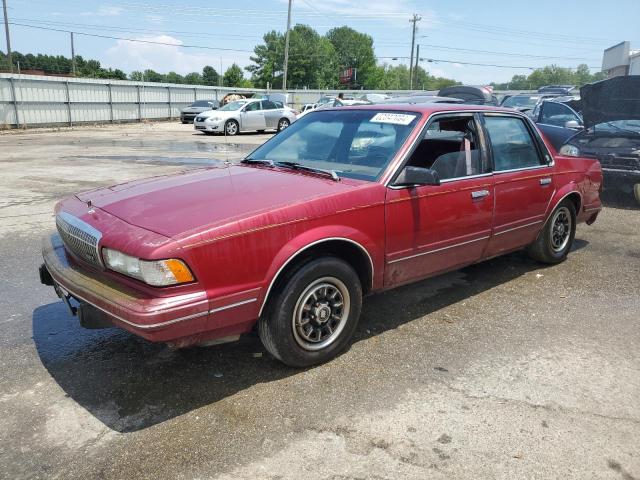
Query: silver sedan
[(244, 116)]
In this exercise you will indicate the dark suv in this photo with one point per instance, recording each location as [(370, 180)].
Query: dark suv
[(187, 114)]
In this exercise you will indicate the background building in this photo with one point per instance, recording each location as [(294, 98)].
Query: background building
[(621, 60)]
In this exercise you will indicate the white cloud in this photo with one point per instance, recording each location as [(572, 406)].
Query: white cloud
[(104, 11), (110, 11), (130, 56), (397, 13)]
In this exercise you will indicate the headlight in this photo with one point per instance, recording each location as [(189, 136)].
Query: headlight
[(214, 119), (569, 151), (159, 273)]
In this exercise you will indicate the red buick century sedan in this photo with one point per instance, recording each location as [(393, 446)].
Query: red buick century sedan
[(343, 203)]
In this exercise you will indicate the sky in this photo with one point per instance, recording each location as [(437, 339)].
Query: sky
[(508, 37)]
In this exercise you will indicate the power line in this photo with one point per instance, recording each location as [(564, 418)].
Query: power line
[(182, 45)]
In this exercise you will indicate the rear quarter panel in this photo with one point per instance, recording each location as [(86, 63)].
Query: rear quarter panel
[(582, 175)]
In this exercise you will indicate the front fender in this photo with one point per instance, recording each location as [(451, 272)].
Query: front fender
[(316, 236)]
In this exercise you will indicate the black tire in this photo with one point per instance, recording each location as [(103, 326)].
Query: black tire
[(282, 327), (283, 123), (636, 191), (231, 128), (556, 238), (184, 122)]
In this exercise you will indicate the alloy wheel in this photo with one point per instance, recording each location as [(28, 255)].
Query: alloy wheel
[(321, 313)]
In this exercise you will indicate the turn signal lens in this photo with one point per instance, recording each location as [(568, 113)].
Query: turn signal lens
[(180, 271)]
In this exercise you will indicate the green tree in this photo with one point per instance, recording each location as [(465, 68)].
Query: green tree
[(193, 78), (355, 50), (173, 77), (233, 77), (153, 76), (210, 76), (268, 61), (312, 60), (551, 75)]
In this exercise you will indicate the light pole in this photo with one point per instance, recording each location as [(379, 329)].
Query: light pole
[(6, 31), (286, 49), (416, 18)]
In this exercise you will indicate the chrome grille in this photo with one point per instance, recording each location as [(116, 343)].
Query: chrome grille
[(79, 238)]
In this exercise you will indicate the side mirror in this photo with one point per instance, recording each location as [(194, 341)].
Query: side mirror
[(573, 124), (412, 176)]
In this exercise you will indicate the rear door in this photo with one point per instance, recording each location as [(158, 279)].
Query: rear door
[(524, 183), (252, 117), (431, 229), (271, 113)]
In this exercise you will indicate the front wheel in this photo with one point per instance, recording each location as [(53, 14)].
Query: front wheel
[(283, 123), (556, 238), (312, 318), (231, 127)]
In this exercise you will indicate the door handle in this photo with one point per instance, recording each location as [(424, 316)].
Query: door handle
[(545, 181), (479, 194)]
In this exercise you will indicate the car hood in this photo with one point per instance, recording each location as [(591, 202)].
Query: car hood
[(196, 109), (617, 98), (198, 200), (221, 114)]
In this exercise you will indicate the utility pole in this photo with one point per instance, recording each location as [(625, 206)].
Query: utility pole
[(6, 31), (73, 56), (286, 49), (415, 70), (416, 18)]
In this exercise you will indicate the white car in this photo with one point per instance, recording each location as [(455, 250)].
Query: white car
[(244, 116)]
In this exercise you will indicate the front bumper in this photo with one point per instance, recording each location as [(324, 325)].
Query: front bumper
[(188, 117), (156, 318), (208, 126)]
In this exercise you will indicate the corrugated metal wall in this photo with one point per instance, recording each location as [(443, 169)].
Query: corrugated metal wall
[(31, 100)]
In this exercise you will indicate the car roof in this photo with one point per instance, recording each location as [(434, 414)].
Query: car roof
[(429, 108)]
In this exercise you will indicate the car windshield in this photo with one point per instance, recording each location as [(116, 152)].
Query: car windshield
[(354, 143), (230, 107), (629, 126), (202, 103), (521, 101)]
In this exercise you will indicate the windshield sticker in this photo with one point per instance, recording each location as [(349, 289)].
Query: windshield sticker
[(393, 118)]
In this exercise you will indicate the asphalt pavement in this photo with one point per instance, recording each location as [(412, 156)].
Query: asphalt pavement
[(505, 369)]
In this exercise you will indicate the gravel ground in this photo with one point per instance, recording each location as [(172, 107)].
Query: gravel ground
[(505, 369)]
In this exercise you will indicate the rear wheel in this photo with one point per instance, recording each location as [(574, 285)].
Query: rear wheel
[(314, 314), (283, 123), (555, 239)]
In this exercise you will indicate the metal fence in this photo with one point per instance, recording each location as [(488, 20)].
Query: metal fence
[(31, 100)]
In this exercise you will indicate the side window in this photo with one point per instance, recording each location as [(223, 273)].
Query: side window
[(268, 105), (511, 143), (252, 107), (450, 147), (556, 114)]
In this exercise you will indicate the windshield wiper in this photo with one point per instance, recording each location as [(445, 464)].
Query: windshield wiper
[(298, 166), (262, 161)]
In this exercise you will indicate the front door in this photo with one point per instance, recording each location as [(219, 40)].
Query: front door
[(524, 183), (431, 229), (252, 117)]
